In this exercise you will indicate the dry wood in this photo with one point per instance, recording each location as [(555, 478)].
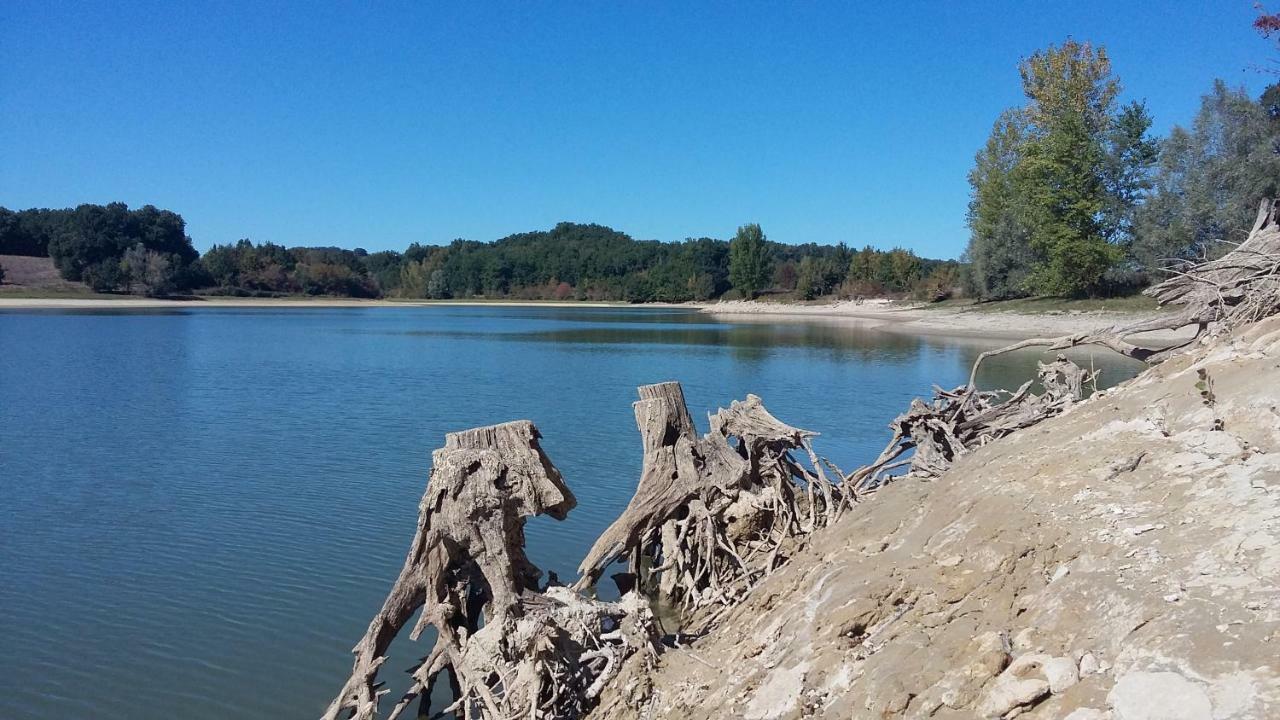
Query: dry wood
[(956, 421), (1241, 287), (508, 649), (712, 514)]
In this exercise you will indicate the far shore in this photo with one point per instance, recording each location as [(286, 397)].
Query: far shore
[(881, 315), (124, 303), (922, 319)]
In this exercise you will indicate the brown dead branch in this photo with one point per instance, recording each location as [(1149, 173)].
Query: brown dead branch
[(956, 421)]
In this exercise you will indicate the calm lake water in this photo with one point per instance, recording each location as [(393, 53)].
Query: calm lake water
[(200, 509)]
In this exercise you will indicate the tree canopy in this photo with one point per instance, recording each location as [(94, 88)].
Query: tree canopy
[(1071, 195), (750, 261), (1056, 186)]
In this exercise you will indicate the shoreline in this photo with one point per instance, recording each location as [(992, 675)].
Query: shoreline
[(107, 303), (888, 316), (881, 315)]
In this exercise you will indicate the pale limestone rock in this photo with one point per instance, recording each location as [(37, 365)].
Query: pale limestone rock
[(1061, 673), (1010, 692), (1159, 696), (1087, 714)]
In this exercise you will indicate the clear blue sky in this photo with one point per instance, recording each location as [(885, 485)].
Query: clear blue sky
[(379, 126)]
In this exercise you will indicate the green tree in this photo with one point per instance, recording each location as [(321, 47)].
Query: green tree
[(809, 280), (1056, 189), (89, 243), (750, 261), (413, 280), (999, 240), (1071, 93), (862, 266), (1210, 180), (1129, 159)]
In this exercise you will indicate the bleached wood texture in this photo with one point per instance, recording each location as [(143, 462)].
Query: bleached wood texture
[(712, 514), (508, 649)]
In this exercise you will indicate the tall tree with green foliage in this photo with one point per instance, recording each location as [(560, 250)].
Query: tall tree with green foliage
[(1071, 94), (999, 243), (1211, 178), (1057, 186), (750, 261)]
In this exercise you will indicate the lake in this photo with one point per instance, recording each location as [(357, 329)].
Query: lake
[(200, 509)]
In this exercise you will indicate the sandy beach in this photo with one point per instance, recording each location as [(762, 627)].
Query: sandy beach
[(880, 315), (957, 322)]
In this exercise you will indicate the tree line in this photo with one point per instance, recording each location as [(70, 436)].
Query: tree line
[(147, 251), (1072, 195)]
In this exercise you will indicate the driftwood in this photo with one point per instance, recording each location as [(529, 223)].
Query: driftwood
[(962, 419), (712, 514), (1217, 296), (508, 649)]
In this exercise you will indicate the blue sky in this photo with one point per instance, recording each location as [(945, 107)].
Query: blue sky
[(381, 124)]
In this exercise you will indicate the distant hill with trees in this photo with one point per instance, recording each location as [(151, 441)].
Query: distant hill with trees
[(146, 251)]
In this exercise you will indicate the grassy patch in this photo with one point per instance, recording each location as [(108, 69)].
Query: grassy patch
[(23, 292)]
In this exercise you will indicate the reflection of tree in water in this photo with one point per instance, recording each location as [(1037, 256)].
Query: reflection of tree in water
[(856, 343)]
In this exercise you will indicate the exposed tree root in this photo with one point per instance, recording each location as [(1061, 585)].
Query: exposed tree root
[(713, 514), (507, 649), (960, 420)]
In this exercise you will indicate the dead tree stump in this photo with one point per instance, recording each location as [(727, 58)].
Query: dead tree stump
[(510, 650), (711, 514)]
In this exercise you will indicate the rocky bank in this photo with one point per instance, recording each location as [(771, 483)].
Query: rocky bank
[(1119, 561)]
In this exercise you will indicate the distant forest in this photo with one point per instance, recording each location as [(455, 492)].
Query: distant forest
[(1071, 195), (146, 251)]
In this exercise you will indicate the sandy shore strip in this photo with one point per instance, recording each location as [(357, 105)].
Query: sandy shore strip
[(956, 322), (869, 314)]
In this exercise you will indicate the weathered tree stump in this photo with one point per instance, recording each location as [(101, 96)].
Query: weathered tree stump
[(509, 649), (710, 514)]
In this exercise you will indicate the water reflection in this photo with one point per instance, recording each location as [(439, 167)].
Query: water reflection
[(207, 501)]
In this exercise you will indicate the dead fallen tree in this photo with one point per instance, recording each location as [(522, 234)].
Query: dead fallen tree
[(712, 514), (508, 649), (936, 433), (1214, 297)]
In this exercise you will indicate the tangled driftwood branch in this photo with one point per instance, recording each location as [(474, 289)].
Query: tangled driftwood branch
[(508, 649), (1216, 296), (712, 514), (965, 418)]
